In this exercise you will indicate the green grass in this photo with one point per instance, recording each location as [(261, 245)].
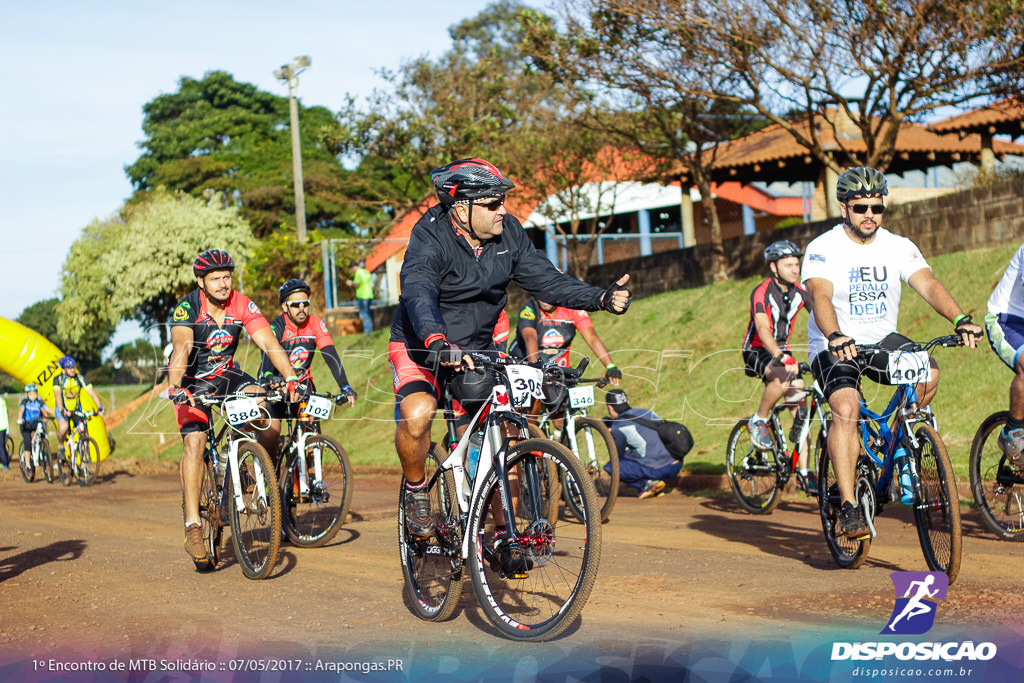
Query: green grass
[(680, 355)]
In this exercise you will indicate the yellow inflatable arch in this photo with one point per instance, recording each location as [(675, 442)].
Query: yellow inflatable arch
[(31, 358)]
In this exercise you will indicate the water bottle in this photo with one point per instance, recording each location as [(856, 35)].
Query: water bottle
[(902, 460), (798, 424), (476, 441)]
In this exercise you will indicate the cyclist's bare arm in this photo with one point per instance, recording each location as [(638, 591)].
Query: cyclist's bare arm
[(938, 297), (265, 339), (764, 330), (532, 344), (589, 335), (95, 396), (181, 341), (821, 292)]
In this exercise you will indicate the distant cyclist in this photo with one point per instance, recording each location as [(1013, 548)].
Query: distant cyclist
[(206, 327), (67, 395), (854, 273), (301, 334), (31, 411), (462, 254), (774, 304), (1005, 324)]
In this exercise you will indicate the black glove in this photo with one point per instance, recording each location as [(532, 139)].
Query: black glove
[(179, 396), (835, 348), (960, 327), (612, 372), (606, 299), (343, 395), (443, 352)]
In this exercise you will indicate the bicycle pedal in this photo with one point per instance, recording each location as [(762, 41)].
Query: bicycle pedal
[(203, 565)]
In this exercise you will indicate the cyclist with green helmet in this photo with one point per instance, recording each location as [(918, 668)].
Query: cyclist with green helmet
[(774, 305), (854, 273)]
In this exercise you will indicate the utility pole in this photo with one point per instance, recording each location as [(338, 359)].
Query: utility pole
[(289, 73)]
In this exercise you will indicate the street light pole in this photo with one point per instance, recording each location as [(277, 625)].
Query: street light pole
[(290, 73)]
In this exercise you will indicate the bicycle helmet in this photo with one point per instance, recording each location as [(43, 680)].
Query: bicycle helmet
[(211, 260), (861, 181), (781, 249), (66, 362), (290, 287), (468, 179), (31, 387)]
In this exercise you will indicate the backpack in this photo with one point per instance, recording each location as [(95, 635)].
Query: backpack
[(674, 435)]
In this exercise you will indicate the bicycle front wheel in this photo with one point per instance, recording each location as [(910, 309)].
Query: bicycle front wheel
[(937, 512), (848, 553), (997, 488), (532, 585), (752, 472), (600, 461), (256, 519), (27, 465), (89, 461), (209, 513), (432, 567), (64, 468), (311, 518), (46, 458)]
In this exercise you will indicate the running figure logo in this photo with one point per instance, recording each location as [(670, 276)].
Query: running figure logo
[(917, 594)]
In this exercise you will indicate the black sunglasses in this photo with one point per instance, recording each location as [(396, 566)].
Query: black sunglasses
[(299, 304), (877, 209), (492, 205)]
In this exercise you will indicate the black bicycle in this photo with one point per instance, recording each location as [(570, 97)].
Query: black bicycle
[(757, 476), (997, 487), (315, 475)]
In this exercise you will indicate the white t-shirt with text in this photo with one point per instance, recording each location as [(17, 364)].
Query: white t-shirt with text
[(866, 282)]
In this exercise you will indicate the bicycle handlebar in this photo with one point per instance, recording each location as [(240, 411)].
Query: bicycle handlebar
[(946, 341)]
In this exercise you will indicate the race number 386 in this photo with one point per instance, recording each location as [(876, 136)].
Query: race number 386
[(241, 410), (909, 367)]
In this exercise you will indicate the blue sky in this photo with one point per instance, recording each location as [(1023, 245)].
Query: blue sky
[(76, 74)]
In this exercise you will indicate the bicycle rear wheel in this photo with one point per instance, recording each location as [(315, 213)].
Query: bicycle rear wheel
[(600, 461), (256, 525), (209, 514), (752, 472), (432, 567), (27, 465), (312, 518), (847, 552), (533, 586), (997, 488), (89, 461), (46, 459), (938, 514)]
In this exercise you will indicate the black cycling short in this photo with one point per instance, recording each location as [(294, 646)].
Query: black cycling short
[(196, 418), (756, 362), (833, 374)]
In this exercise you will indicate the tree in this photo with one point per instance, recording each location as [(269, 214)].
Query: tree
[(484, 98), (639, 95), (140, 267), (877, 63), (217, 134), (42, 318)]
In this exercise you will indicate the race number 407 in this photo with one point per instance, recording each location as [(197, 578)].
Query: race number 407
[(909, 367)]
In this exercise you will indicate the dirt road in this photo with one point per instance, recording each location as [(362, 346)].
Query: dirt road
[(97, 576)]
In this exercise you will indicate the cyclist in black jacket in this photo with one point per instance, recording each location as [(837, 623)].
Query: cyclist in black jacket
[(461, 256)]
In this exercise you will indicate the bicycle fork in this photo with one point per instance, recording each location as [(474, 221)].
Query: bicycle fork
[(260, 480)]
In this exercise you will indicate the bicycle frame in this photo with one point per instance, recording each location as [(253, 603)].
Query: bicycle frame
[(818, 404), (235, 437), (468, 489), (300, 429)]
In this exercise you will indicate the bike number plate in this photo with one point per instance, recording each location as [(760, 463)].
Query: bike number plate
[(525, 382), (581, 397), (241, 410), (318, 407), (909, 367)]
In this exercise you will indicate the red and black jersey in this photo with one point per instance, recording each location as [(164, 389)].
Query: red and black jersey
[(555, 331), (781, 309), (300, 343), (213, 345)]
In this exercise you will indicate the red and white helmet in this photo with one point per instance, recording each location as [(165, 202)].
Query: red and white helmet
[(467, 179)]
